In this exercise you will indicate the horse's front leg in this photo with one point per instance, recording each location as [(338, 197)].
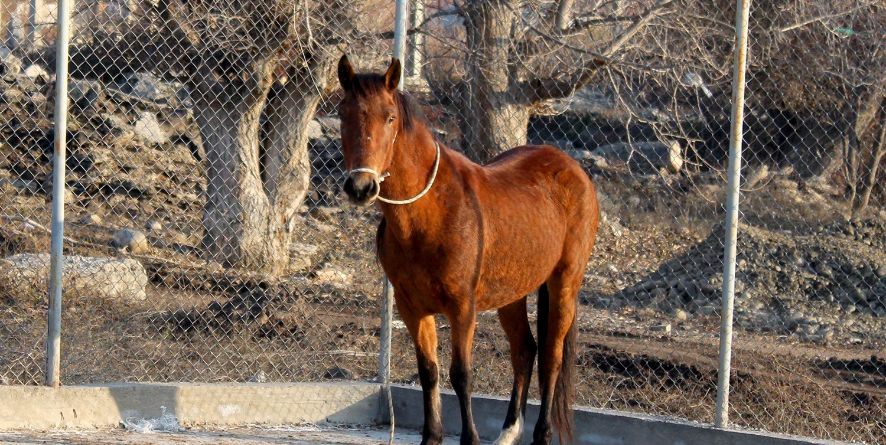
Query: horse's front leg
[(463, 323), (424, 336)]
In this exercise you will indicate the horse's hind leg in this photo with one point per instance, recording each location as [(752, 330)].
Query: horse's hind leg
[(516, 325), (557, 304), (424, 334)]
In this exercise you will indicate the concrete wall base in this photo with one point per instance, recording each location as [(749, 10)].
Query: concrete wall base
[(592, 426), (238, 404), (34, 407)]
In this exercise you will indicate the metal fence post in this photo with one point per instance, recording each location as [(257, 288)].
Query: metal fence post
[(384, 357), (416, 40), (734, 171), (56, 256), (400, 18), (31, 31), (387, 312)]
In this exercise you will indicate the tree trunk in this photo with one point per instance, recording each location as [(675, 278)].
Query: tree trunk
[(494, 118), (256, 180), (864, 118), (873, 170)]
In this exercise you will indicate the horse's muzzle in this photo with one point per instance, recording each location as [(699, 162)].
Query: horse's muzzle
[(362, 188)]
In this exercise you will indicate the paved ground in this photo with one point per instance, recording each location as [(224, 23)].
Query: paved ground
[(238, 436)]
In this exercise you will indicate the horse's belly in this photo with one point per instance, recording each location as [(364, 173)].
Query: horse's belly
[(518, 265)]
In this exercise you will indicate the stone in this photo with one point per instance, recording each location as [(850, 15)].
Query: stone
[(332, 275), (94, 277), (153, 225), (37, 73), (12, 96), (708, 309), (147, 86), (644, 157), (301, 256), (338, 373), (756, 176), (663, 328), (148, 128), (84, 93), (10, 65), (91, 219), (331, 126), (133, 241), (325, 213), (258, 377), (681, 315), (314, 130)]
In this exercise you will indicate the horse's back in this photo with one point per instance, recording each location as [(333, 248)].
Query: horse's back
[(548, 166)]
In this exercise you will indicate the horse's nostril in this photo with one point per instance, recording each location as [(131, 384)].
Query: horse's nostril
[(349, 186)]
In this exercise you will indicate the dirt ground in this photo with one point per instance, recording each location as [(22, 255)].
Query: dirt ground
[(202, 323), (809, 353)]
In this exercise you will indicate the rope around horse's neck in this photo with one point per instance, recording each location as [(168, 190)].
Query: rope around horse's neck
[(381, 178)]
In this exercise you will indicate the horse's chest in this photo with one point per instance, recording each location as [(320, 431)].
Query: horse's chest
[(431, 271)]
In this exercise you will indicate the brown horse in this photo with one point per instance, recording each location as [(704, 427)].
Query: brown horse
[(458, 238)]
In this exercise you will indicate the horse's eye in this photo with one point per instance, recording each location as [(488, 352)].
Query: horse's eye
[(391, 119)]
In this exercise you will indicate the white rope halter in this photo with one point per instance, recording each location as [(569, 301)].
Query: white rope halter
[(381, 178)]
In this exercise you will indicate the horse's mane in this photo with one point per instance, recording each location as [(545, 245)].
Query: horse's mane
[(366, 85)]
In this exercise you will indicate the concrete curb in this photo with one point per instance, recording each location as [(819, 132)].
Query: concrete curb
[(34, 407), (356, 403), (592, 426)]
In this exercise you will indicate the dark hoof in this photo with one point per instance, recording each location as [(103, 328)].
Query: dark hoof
[(432, 440), (469, 439)]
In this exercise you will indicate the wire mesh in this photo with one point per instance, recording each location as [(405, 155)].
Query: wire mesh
[(204, 224), (639, 92), (207, 241)]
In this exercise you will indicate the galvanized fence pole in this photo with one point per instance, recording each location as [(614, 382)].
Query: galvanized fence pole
[(734, 180), (416, 40), (56, 256), (31, 31), (399, 50), (384, 357)]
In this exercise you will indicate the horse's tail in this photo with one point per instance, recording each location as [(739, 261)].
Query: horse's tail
[(561, 409)]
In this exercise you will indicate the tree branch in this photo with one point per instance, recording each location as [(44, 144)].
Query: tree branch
[(564, 15), (537, 90), (820, 18)]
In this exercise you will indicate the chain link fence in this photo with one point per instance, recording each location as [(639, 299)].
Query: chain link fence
[(206, 239), (204, 232)]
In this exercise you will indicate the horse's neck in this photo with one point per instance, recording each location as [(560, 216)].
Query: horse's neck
[(410, 171)]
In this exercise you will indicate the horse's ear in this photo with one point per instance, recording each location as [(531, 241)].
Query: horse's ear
[(392, 76), (346, 73)]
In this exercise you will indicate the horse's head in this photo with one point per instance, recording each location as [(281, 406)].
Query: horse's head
[(370, 122)]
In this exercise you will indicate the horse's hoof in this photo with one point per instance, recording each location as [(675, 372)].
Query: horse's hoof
[(512, 434), (470, 439), (432, 440)]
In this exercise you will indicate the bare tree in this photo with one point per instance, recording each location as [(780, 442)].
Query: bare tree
[(811, 59), (256, 71), (828, 59), (520, 54)]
